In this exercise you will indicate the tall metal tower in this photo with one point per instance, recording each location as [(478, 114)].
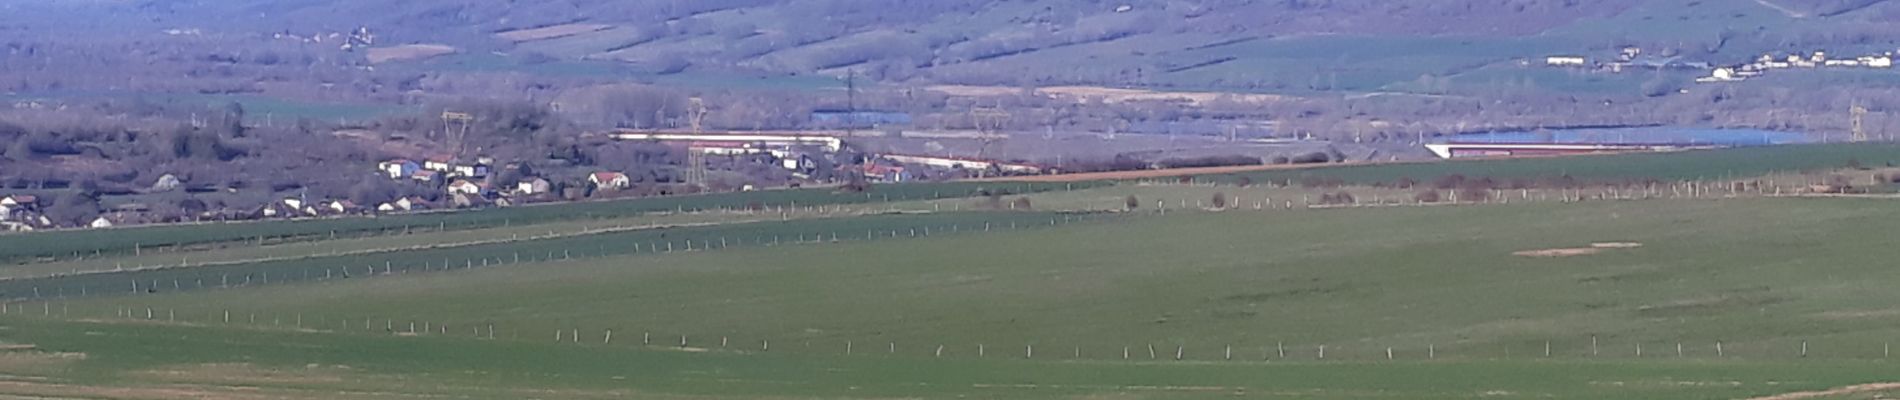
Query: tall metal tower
[(696, 157), (850, 102), (1859, 117), (456, 137)]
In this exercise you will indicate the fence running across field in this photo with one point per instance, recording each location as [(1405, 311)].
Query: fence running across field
[(131, 240), (555, 249), (1566, 348)]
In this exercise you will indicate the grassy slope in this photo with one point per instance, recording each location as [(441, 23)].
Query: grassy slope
[(1696, 165), (1429, 275), (1690, 165), (532, 250), (318, 366), (123, 241), (1433, 275)]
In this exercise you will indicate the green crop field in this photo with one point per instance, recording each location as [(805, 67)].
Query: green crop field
[(1049, 312), (320, 267), (1357, 279), (129, 240), (121, 360), (1722, 164), (945, 296)]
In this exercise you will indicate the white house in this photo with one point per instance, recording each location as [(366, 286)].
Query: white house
[(463, 186), (533, 187), (398, 168), (1565, 61), (609, 180), (412, 203), (16, 204), (341, 206), (439, 163), (166, 183), (1723, 74), (101, 222)]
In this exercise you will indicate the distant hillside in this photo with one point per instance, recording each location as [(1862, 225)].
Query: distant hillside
[(1289, 45), (961, 38)]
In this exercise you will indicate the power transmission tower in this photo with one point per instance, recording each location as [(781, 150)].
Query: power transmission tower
[(696, 172), (989, 126), (850, 102), (1859, 116), (455, 136), (696, 157)]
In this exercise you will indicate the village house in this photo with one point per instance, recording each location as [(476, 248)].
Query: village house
[(12, 207), (290, 207), (426, 176), (166, 183), (464, 186), (398, 168), (471, 171), (26, 222), (340, 207), (102, 221), (1720, 75), (609, 180), (410, 203), (886, 173), (532, 187), (467, 200), (1565, 61), (439, 163)]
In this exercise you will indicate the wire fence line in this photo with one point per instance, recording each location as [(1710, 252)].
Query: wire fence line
[(1565, 348), (356, 264), (587, 247), (137, 240)]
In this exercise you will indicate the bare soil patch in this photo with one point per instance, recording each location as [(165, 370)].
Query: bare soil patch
[(243, 373), (408, 52), (1106, 94), (1595, 248), (550, 32), (26, 361), (1147, 173), (1859, 314), (1552, 253), (1839, 391)]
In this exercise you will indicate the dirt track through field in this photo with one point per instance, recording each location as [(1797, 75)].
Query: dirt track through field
[(407, 52), (550, 32), (1150, 173), (1558, 252), (1595, 248), (1839, 391)]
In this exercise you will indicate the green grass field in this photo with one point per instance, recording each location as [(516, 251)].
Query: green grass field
[(1703, 165), (123, 360), (1696, 165), (325, 267), (79, 243), (1422, 281), (1667, 298), (1206, 279)]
